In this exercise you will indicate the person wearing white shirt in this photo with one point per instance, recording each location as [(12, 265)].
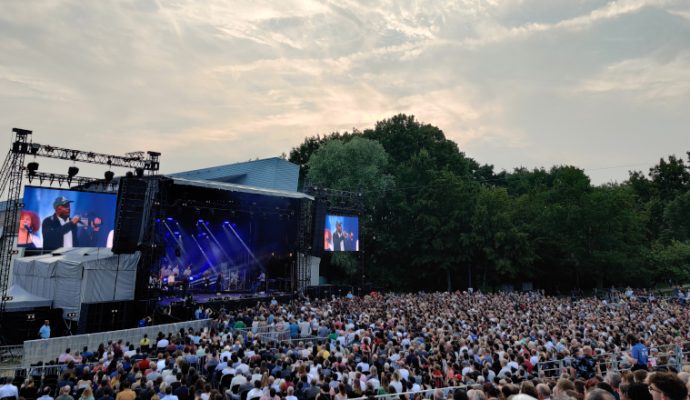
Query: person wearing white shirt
[(160, 364), (364, 366), (163, 343), (8, 390), (256, 392), (404, 373), (168, 394), (46, 394), (290, 394)]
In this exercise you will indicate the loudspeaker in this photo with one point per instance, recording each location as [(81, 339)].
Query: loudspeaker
[(107, 316), (320, 210), (129, 217)]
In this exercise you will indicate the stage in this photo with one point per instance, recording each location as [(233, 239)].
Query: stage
[(228, 300)]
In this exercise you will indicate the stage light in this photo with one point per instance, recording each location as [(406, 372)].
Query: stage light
[(226, 222), (108, 175), (129, 174), (139, 172), (72, 171), (158, 220), (32, 167), (34, 148)]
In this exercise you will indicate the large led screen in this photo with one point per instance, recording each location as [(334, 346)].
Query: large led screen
[(341, 233), (54, 218)]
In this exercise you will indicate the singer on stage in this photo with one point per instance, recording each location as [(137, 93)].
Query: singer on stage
[(29, 225), (59, 230)]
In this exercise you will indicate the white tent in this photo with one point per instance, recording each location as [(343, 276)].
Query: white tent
[(73, 276), (23, 300)]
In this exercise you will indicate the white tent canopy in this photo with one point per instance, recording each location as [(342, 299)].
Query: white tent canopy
[(23, 300), (73, 276)]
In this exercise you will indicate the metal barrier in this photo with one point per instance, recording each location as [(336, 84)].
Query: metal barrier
[(426, 393), (675, 354), (11, 355), (49, 349)]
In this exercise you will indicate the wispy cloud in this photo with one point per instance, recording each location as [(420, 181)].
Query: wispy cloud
[(232, 80), (647, 78)]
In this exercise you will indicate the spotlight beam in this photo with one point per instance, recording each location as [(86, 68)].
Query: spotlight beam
[(245, 246), (213, 237), (201, 249)]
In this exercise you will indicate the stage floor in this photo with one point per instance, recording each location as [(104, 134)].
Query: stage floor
[(232, 299)]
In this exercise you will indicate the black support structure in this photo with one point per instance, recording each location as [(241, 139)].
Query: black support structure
[(332, 201), (11, 175), (13, 171)]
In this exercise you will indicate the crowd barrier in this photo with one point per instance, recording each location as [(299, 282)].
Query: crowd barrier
[(676, 355), (49, 349), (425, 393), (272, 334)]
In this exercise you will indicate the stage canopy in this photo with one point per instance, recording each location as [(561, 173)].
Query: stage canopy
[(231, 187), (23, 300), (70, 277)]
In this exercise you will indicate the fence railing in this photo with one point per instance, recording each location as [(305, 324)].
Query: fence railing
[(425, 393), (11, 355), (49, 349), (676, 357)]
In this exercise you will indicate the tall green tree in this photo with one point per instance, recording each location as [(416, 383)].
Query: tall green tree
[(356, 165)]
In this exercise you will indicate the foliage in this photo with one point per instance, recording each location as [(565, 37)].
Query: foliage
[(436, 219)]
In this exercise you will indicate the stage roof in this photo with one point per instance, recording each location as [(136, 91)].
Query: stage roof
[(270, 173), (240, 188)]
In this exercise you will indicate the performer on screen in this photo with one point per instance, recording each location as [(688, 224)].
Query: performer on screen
[(29, 225), (59, 230), (339, 237)]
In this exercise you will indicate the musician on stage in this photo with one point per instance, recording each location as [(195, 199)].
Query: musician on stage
[(260, 284), (219, 282), (186, 276), (207, 280), (234, 279)]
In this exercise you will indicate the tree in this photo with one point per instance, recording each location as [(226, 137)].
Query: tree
[(677, 219), (502, 250), (669, 263), (301, 154), (356, 165)]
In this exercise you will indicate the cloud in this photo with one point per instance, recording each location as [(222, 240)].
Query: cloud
[(227, 81), (645, 79)]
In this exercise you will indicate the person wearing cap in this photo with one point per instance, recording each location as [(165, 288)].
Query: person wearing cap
[(59, 230)]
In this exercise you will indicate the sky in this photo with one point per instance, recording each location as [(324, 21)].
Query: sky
[(602, 85)]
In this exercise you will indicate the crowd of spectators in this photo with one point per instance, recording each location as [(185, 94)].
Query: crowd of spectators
[(466, 346)]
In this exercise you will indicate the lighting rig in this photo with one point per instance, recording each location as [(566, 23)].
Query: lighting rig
[(13, 171)]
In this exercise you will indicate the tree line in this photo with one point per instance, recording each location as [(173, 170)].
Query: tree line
[(435, 219)]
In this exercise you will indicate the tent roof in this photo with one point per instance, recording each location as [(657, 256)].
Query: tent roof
[(21, 299), (241, 188)]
